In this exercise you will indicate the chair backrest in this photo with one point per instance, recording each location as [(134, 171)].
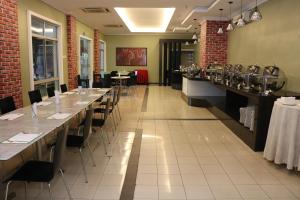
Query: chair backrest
[(107, 81), (63, 88), (114, 73), (79, 80), (59, 148), (7, 104), (35, 96), (106, 112), (50, 91), (97, 84), (88, 123)]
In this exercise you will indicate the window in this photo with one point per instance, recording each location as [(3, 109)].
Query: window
[(102, 56), (44, 37)]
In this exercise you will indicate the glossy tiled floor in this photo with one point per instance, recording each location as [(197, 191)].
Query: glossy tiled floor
[(180, 158)]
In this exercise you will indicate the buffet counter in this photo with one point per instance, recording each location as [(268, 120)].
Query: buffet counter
[(198, 91)]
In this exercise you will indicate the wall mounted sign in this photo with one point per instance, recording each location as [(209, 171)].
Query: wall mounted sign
[(131, 56)]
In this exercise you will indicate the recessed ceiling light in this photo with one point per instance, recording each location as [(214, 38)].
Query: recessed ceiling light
[(146, 19)]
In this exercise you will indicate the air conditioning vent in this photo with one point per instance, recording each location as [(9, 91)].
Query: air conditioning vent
[(95, 10), (113, 26)]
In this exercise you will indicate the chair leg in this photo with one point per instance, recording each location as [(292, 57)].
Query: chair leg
[(113, 120), (25, 184), (106, 135), (119, 111), (91, 154), (83, 166), (50, 193), (65, 183), (105, 148), (7, 188)]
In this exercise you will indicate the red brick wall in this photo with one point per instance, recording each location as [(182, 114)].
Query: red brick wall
[(96, 51), (213, 46), (10, 67), (72, 52)]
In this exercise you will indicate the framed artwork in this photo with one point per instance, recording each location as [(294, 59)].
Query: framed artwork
[(131, 56)]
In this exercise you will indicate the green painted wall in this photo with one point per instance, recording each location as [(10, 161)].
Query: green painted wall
[(151, 42), (45, 10), (274, 40)]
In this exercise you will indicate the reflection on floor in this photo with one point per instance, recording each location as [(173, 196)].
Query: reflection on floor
[(179, 159)]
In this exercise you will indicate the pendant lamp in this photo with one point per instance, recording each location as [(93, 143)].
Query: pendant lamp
[(256, 16), (220, 30), (241, 21), (230, 26)]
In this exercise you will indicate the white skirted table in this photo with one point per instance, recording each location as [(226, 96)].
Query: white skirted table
[(283, 141)]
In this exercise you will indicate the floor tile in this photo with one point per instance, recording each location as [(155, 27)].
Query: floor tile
[(147, 179), (173, 192), (251, 192), (198, 192), (146, 192), (169, 180), (225, 192)]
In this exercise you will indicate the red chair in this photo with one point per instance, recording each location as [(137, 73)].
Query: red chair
[(142, 76)]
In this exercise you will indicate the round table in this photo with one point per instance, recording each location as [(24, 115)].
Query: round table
[(283, 140), (120, 78)]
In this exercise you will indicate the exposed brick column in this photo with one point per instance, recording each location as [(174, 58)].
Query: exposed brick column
[(96, 51), (10, 67), (72, 52), (213, 46)]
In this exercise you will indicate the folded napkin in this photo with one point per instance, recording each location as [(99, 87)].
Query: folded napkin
[(69, 93), (59, 116), (11, 116), (21, 138), (288, 100), (44, 103), (81, 103)]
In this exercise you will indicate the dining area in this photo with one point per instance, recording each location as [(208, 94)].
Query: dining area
[(34, 139)]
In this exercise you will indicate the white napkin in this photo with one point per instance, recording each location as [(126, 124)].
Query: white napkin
[(44, 103), (11, 116), (69, 93), (21, 138), (81, 103), (59, 116)]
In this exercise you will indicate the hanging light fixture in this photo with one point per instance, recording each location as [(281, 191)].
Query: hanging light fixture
[(230, 26), (195, 42), (220, 31), (256, 16), (187, 43), (194, 36), (241, 21)]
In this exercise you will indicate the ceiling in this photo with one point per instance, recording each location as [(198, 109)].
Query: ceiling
[(186, 11)]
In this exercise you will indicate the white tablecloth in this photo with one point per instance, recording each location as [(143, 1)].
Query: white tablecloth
[(283, 141)]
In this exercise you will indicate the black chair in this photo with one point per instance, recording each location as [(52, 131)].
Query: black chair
[(111, 107), (63, 88), (42, 171), (107, 83), (35, 96), (7, 104), (100, 122), (113, 73), (78, 141), (50, 91), (97, 84)]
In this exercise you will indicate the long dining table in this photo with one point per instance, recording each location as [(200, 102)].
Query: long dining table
[(43, 123)]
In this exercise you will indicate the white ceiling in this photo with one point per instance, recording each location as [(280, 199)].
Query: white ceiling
[(204, 9)]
